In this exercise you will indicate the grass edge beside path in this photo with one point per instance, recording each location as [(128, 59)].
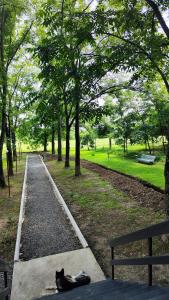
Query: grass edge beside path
[(153, 174), (9, 212), (103, 212)]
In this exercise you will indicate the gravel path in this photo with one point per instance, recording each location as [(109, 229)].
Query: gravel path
[(46, 230)]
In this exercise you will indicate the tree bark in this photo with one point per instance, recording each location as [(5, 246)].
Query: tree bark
[(2, 137), (4, 93), (59, 139), (67, 156), (166, 174), (159, 16), (45, 142), (124, 145), (110, 143), (163, 142), (14, 145), (53, 140), (9, 149), (149, 148), (77, 139)]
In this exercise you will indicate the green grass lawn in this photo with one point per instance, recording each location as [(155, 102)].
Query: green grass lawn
[(128, 165)]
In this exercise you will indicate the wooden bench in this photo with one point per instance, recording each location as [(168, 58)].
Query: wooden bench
[(146, 159)]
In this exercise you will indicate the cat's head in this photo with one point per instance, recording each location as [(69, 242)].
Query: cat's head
[(60, 274)]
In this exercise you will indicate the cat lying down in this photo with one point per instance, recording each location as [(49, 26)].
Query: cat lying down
[(67, 282)]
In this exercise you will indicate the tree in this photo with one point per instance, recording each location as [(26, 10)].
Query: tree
[(139, 40), (64, 60), (11, 41)]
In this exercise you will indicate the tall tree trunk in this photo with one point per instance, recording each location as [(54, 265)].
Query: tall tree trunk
[(4, 95), (110, 143), (166, 174), (14, 145), (67, 156), (53, 140), (59, 139), (163, 142), (2, 177), (2, 137), (77, 139), (9, 149), (149, 148), (45, 142), (124, 145)]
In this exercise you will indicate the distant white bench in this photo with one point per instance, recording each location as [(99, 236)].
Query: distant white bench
[(146, 159)]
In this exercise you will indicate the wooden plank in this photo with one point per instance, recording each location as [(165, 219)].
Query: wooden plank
[(154, 230), (3, 266), (147, 260)]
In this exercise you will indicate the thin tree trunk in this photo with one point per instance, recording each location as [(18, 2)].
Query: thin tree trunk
[(77, 139), (67, 156), (2, 137), (163, 142), (126, 145), (2, 177), (166, 174), (110, 143), (3, 104), (53, 140), (59, 140), (45, 142), (14, 145), (149, 148), (9, 150)]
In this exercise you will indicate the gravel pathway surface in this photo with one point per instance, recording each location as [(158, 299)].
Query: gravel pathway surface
[(46, 229)]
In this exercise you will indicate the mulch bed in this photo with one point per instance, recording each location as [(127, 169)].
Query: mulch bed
[(146, 196)]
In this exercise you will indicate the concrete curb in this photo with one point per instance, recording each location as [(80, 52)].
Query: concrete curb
[(21, 214), (67, 211)]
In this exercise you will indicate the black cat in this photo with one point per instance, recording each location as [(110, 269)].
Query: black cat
[(65, 283)]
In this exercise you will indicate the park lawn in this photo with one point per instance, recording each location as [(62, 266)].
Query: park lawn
[(125, 164), (153, 174), (9, 212), (104, 212)]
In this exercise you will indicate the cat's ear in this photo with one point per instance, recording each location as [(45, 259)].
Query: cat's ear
[(62, 271)]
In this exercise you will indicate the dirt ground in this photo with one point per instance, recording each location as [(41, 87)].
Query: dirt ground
[(146, 196)]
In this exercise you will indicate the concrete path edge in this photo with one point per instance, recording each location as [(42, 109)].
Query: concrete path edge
[(21, 214), (65, 207)]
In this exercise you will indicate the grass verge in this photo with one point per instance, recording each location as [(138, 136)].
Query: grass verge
[(103, 212), (128, 164), (9, 213)]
